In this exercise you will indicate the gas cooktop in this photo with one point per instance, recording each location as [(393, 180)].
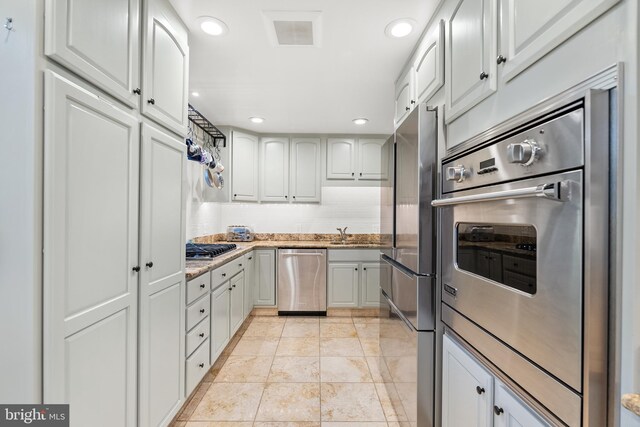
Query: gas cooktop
[(208, 251)]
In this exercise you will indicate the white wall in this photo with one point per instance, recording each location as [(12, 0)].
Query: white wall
[(21, 205)]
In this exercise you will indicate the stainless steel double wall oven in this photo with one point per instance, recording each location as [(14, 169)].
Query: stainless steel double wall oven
[(525, 256)]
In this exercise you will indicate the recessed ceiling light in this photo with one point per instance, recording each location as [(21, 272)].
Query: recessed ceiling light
[(213, 26), (195, 94), (400, 28), (361, 121), (257, 120)]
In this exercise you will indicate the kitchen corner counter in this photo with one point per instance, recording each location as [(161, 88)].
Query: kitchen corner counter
[(631, 401), (195, 268)]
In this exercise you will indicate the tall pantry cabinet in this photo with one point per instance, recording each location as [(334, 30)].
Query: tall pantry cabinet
[(114, 209)]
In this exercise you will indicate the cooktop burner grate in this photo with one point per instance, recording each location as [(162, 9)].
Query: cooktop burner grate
[(196, 251)]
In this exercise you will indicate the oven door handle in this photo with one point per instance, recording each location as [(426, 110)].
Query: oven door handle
[(557, 191)]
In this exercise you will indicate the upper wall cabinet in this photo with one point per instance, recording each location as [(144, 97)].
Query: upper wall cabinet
[(244, 167), (166, 67), (471, 52), (529, 30), (428, 67), (341, 158), (305, 170), (99, 40), (404, 97), (274, 162), (372, 155)]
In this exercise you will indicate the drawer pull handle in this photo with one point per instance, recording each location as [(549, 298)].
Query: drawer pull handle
[(201, 334), (202, 310), (240, 265), (480, 390), (201, 365), (497, 410), (202, 286), (224, 274)]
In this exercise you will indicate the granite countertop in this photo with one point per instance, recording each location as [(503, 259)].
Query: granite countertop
[(195, 268), (631, 401)]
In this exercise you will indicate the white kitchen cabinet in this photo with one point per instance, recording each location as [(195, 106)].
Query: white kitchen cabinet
[(530, 30), (249, 282), (510, 411), (341, 158), (343, 282), (404, 97), (305, 170), (162, 288), (274, 164), (197, 366), (244, 167), (90, 286), (467, 389), (99, 40), (236, 303), (471, 56), (370, 283), (373, 158), (264, 291), (428, 66), (220, 319), (165, 69)]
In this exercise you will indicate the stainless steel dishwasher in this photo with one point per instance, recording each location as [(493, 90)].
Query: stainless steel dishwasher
[(302, 281)]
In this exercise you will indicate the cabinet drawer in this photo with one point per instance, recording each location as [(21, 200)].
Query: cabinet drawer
[(198, 335), (356, 255), (235, 266), (198, 311), (198, 287), (219, 276), (197, 366)]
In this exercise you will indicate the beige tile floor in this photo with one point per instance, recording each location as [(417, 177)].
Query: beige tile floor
[(297, 372)]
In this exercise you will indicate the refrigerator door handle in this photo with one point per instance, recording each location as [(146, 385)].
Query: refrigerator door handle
[(398, 313), (402, 268)]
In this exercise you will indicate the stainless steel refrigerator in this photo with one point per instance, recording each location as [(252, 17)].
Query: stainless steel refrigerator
[(408, 259)]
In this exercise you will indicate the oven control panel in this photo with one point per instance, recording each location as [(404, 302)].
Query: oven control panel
[(545, 148)]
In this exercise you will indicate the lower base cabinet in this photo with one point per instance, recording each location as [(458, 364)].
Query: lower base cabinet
[(236, 303), (220, 319), (353, 279), (472, 396), (264, 291), (197, 366)]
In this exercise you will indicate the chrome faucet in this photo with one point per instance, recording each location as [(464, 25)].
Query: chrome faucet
[(343, 234)]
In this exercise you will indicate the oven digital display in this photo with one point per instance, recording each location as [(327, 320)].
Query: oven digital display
[(488, 163), (506, 254)]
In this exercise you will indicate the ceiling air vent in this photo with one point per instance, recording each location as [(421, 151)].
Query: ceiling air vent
[(293, 28)]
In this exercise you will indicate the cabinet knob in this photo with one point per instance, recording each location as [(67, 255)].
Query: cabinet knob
[(233, 286), (201, 365), (224, 274), (480, 390), (294, 197), (501, 59), (201, 334), (202, 286), (497, 410), (235, 195), (360, 173), (364, 268), (483, 75), (240, 264), (407, 108), (202, 311), (151, 101), (149, 264), (229, 288), (413, 101), (250, 257), (137, 91), (285, 197), (356, 269), (352, 174), (136, 268)]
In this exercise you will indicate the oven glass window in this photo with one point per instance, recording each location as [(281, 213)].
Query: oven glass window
[(503, 253)]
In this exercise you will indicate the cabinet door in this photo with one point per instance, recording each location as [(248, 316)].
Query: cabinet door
[(99, 40), (404, 97), (162, 288), (90, 290), (530, 30), (471, 56), (370, 283), (510, 411), (372, 155), (428, 67), (343, 285), (244, 167), (274, 163), (249, 282), (165, 67), (341, 156), (237, 303), (220, 319), (467, 389), (305, 170), (265, 277)]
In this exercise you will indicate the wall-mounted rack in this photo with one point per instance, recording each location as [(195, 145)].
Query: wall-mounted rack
[(207, 127)]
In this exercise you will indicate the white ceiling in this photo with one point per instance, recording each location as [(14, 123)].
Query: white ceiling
[(301, 89)]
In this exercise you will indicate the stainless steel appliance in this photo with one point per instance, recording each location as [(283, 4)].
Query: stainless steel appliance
[(407, 314), (302, 281), (524, 254)]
